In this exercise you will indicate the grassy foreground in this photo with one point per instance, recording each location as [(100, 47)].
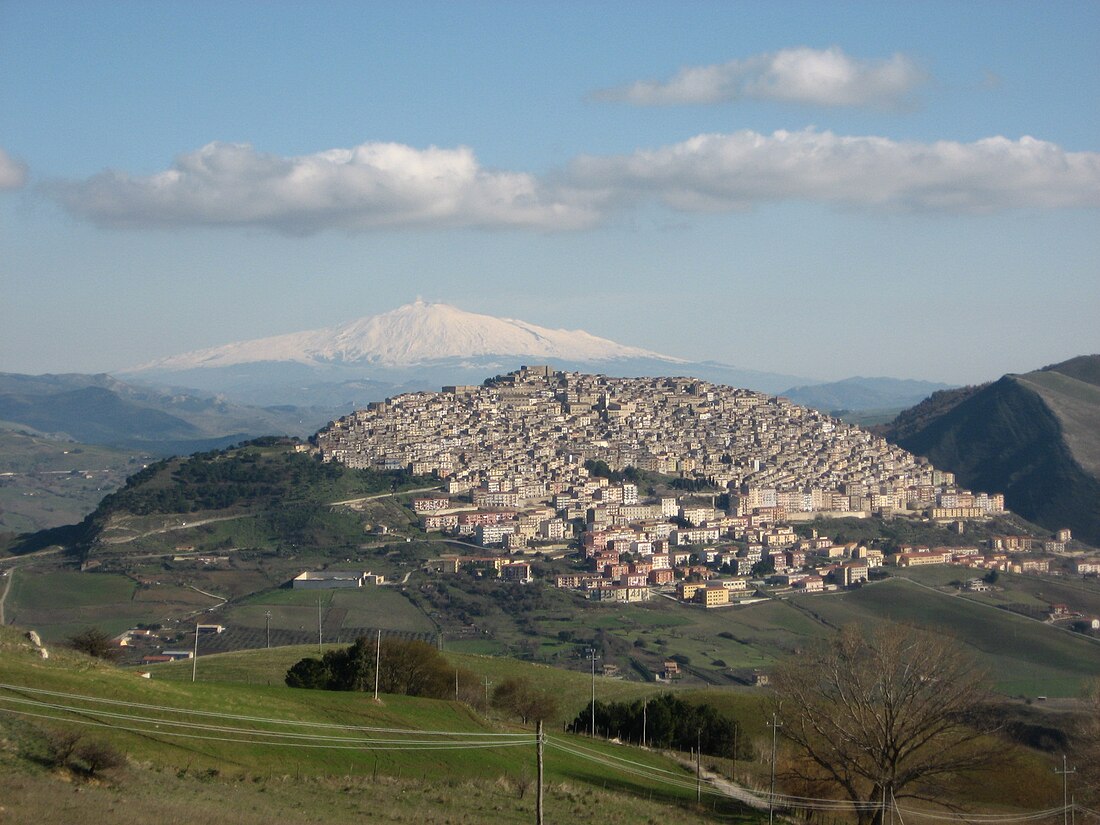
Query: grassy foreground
[(231, 751)]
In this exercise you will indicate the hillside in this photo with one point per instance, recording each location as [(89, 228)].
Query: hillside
[(1036, 437), (281, 494), (48, 482), (219, 752)]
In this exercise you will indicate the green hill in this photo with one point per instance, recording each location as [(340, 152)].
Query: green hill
[(268, 493), (1034, 437)]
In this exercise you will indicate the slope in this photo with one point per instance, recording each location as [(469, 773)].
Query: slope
[(326, 756), (1033, 437)]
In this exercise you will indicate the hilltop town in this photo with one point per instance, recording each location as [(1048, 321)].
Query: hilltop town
[(539, 456)]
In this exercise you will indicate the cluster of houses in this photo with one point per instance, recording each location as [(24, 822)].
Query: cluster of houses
[(521, 441)]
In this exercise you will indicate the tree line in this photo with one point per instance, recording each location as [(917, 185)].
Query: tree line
[(666, 721)]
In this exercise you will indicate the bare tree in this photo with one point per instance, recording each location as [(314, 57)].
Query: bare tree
[(880, 714), (1087, 746)]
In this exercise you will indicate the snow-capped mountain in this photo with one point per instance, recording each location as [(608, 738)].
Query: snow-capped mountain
[(419, 346), (411, 335)]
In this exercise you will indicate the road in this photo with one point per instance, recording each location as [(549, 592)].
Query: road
[(382, 495), (741, 794)]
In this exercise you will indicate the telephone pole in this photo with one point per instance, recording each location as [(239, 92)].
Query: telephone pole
[(538, 760), (267, 616), (1065, 772), (377, 663), (775, 725), (592, 720), (699, 765)]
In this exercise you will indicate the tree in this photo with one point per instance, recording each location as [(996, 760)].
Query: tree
[(885, 713), (520, 697), (94, 642), (413, 668)]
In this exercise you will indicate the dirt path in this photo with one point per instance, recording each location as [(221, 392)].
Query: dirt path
[(187, 525), (382, 495)]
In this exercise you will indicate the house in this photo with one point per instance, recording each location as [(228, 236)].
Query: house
[(327, 580), (686, 590), (713, 595), (852, 572)]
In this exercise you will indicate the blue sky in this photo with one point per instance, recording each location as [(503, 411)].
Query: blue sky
[(820, 189)]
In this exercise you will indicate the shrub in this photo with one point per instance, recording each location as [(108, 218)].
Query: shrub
[(97, 756), (94, 642)]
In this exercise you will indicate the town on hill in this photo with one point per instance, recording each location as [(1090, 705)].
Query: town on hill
[(527, 456)]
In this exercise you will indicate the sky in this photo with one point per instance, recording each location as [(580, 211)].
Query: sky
[(817, 189)]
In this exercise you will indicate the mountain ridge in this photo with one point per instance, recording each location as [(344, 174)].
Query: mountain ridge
[(1035, 436)]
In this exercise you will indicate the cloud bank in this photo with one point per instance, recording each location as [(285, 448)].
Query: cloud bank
[(379, 186), (820, 77), (13, 174), (735, 171), (371, 186)]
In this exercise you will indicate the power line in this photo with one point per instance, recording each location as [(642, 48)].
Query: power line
[(243, 718)]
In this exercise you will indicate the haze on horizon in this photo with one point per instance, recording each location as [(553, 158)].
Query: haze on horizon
[(815, 189)]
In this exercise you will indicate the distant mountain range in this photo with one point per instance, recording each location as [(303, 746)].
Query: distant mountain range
[(863, 394), (99, 409), (1035, 437)]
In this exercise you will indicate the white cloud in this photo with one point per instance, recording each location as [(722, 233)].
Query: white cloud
[(821, 77), (385, 185), (371, 186), (735, 171), (13, 174)]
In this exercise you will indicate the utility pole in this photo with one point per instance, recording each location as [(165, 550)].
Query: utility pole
[(699, 765), (195, 655), (1065, 772), (318, 624), (775, 725), (377, 662), (267, 616), (645, 702), (592, 720), (487, 684), (538, 760), (736, 727)]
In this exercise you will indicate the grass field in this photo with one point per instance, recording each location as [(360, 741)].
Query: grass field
[(265, 756), (1024, 657), (63, 602)]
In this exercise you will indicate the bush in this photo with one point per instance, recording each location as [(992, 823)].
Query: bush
[(60, 747), (94, 642), (97, 756)]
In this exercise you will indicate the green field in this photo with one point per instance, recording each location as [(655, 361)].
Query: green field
[(1024, 657), (249, 741), (59, 603)]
